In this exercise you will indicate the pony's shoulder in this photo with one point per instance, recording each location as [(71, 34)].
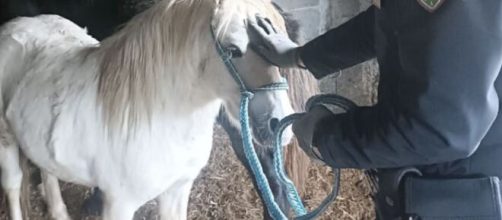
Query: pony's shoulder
[(45, 29)]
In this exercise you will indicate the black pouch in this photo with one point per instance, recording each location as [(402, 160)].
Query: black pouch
[(452, 199)]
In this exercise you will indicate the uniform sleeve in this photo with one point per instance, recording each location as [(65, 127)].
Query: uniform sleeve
[(347, 45), (441, 102)]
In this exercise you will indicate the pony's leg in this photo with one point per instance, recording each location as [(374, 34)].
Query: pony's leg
[(118, 207), (57, 208), (173, 203), (12, 174)]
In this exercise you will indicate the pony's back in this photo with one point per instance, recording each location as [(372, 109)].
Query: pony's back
[(101, 16), (25, 39), (46, 30)]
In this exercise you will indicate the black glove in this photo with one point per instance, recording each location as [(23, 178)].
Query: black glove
[(273, 46), (304, 130)]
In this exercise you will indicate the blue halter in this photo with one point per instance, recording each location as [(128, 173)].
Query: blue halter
[(293, 196)]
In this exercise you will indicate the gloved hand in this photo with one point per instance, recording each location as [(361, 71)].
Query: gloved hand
[(275, 47), (304, 128)]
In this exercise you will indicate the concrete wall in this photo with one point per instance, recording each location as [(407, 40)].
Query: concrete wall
[(359, 82), (313, 15)]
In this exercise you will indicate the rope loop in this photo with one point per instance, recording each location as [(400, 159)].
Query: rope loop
[(247, 94), (292, 195)]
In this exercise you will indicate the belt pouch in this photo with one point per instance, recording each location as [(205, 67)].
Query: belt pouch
[(452, 199)]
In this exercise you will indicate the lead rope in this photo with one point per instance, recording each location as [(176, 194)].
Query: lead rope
[(254, 162), (293, 197), (262, 183)]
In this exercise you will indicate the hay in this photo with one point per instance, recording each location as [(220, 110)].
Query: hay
[(224, 191)]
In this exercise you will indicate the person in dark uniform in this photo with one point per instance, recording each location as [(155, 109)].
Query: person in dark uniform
[(435, 135)]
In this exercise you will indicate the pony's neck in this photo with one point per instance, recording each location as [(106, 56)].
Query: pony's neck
[(156, 63)]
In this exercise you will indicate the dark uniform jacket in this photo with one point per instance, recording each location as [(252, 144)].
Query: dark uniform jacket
[(438, 98)]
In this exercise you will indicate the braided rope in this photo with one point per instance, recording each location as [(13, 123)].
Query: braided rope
[(254, 162), (293, 196)]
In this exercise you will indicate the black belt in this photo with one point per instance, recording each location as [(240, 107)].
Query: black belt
[(452, 198), (406, 194)]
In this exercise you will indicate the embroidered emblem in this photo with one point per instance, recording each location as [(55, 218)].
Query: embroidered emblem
[(377, 3), (431, 5)]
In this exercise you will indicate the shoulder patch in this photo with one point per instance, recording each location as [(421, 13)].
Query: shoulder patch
[(377, 3), (431, 5)]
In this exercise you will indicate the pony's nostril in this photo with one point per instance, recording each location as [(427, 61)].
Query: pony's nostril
[(273, 123)]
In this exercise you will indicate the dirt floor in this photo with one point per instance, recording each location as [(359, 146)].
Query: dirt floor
[(224, 191)]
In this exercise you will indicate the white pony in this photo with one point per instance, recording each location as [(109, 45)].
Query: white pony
[(133, 116)]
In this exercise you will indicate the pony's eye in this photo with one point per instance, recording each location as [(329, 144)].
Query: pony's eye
[(236, 52)]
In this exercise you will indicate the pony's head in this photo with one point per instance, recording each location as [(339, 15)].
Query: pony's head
[(165, 60), (230, 23)]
